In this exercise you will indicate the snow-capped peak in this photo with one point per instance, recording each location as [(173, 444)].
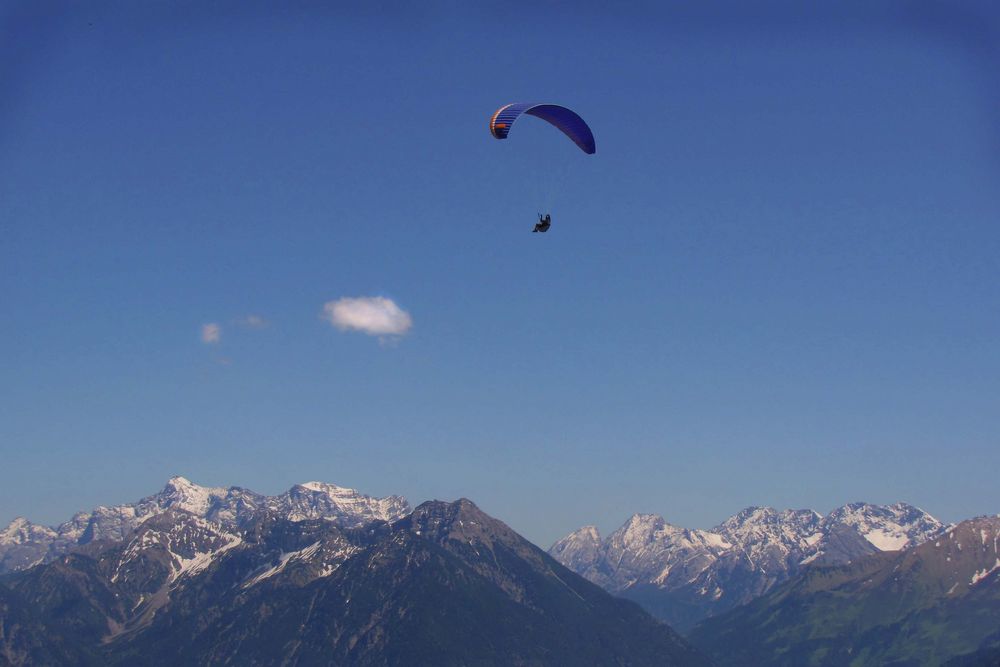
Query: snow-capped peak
[(14, 529), (887, 527), (578, 550), (588, 534), (322, 487), (227, 507), (316, 500), (181, 492), (20, 530), (641, 528)]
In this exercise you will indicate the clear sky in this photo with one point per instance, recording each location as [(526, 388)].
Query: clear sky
[(776, 283)]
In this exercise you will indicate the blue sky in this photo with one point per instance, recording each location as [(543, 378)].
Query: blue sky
[(774, 284)]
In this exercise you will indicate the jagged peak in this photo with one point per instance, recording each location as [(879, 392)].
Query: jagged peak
[(441, 516), (589, 532), (188, 495), (756, 510), (862, 511), (345, 496), (230, 507), (582, 534), (460, 522), (864, 506), (453, 508), (642, 529), (754, 515), (887, 527), (751, 514), (642, 521), (324, 487), (17, 525), (908, 507), (179, 483), (21, 530)]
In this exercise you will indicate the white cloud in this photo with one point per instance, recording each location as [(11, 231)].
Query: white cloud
[(373, 315), (211, 333)]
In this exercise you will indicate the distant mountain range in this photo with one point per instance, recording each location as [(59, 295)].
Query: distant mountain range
[(683, 575), (937, 603), (24, 544), (224, 576), (322, 574)]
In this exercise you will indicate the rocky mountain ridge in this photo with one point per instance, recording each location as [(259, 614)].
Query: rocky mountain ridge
[(925, 605), (24, 544), (684, 575), (446, 584)]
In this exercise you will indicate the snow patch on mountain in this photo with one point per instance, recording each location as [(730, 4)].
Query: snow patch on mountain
[(982, 574), (201, 559), (185, 543), (884, 540), (283, 560)]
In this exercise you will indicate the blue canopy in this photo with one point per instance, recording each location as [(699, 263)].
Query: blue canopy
[(565, 119)]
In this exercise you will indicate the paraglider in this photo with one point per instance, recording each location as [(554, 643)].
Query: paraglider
[(543, 224), (566, 120)]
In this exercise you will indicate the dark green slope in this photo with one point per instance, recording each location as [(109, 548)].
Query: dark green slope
[(918, 607), (988, 656)]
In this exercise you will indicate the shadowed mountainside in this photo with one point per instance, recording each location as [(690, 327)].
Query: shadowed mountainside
[(445, 585)]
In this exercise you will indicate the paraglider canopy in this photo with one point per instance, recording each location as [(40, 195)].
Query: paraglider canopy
[(565, 119)]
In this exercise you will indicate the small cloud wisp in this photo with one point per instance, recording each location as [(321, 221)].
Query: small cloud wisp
[(211, 333)]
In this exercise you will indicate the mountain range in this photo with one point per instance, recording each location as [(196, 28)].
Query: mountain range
[(323, 574), (683, 576), (24, 544), (934, 603), (206, 580)]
